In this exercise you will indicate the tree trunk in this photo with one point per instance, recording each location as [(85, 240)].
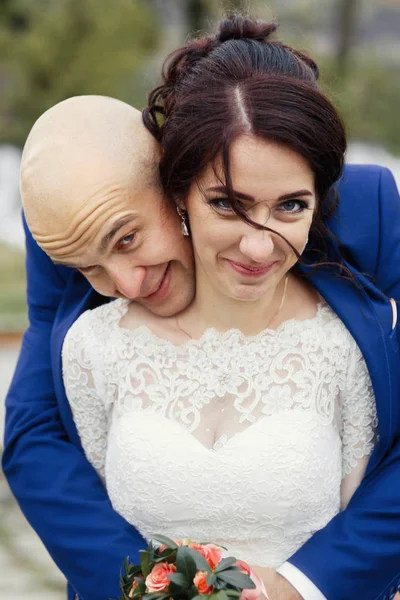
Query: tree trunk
[(347, 25)]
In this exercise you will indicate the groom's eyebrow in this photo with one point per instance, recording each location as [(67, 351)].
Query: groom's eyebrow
[(108, 237), (104, 242)]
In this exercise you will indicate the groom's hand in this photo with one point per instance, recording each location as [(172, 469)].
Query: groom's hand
[(278, 588)]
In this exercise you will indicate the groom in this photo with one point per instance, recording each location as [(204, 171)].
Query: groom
[(100, 227)]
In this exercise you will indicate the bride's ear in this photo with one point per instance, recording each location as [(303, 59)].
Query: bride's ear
[(183, 217), (180, 205)]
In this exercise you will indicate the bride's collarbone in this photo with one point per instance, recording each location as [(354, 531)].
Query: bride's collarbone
[(137, 316), (301, 303)]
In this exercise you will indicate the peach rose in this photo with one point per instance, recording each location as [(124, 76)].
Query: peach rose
[(212, 554), (157, 580), (256, 592), (200, 581)]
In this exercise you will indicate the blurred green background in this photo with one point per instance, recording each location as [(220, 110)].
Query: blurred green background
[(53, 49)]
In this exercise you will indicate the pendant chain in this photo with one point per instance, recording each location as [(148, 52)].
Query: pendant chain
[(275, 314)]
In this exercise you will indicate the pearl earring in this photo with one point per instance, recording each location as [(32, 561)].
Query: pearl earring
[(184, 224)]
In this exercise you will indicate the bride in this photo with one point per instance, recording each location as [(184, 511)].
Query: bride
[(248, 419)]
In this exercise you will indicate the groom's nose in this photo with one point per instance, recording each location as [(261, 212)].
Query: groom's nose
[(128, 281)]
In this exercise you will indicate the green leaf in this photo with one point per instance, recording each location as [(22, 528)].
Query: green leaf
[(126, 578), (185, 563), (201, 597), (179, 579), (211, 578), (163, 539), (177, 591), (237, 579), (200, 561), (126, 564), (225, 563), (167, 555), (156, 596), (221, 595), (145, 564), (203, 543), (152, 553), (233, 593), (141, 584)]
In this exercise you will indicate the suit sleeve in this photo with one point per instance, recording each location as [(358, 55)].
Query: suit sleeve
[(58, 490), (387, 276), (357, 555)]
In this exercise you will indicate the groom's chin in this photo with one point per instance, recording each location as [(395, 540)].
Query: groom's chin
[(180, 293)]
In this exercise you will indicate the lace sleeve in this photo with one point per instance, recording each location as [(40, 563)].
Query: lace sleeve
[(359, 425), (85, 387)]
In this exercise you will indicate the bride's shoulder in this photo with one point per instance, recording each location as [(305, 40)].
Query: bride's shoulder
[(98, 322), (135, 315)]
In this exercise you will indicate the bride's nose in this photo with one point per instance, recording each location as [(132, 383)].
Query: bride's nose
[(257, 244)]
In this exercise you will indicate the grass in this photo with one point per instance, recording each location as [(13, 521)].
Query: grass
[(13, 311)]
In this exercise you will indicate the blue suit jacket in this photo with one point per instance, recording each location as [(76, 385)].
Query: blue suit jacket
[(356, 556)]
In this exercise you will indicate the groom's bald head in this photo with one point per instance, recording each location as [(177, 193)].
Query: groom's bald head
[(79, 156), (92, 200)]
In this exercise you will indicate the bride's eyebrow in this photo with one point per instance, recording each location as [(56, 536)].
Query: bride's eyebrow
[(222, 189)]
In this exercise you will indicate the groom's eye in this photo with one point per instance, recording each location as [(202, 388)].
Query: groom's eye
[(126, 241)]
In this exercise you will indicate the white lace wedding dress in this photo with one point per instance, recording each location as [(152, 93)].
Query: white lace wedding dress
[(252, 443)]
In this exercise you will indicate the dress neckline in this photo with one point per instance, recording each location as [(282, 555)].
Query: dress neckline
[(213, 335)]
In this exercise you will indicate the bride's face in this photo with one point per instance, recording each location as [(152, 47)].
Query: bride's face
[(276, 187)]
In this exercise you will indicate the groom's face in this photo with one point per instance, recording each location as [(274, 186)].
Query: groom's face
[(92, 200), (127, 241)]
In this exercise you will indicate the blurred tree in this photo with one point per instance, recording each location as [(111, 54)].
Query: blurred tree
[(52, 50), (198, 12), (347, 25), (368, 99)]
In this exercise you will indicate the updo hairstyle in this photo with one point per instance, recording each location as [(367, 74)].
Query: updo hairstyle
[(241, 82)]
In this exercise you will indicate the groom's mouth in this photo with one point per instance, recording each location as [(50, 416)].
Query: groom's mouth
[(162, 287)]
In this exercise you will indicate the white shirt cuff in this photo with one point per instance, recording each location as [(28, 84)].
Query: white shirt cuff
[(305, 587)]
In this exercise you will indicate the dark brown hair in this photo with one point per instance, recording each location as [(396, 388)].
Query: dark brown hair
[(240, 82)]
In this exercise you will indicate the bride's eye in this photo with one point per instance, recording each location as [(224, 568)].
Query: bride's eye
[(222, 205), (126, 241), (293, 206)]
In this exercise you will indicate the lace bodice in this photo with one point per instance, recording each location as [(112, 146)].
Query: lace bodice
[(253, 443)]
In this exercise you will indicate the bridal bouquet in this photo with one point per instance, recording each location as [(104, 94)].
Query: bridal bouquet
[(186, 570)]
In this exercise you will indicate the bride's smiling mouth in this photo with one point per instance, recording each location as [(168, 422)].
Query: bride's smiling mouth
[(251, 271)]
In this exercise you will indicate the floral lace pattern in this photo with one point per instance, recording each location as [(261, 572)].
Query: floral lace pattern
[(251, 442)]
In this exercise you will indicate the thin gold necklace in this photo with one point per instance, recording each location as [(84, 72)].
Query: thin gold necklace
[(275, 314)]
